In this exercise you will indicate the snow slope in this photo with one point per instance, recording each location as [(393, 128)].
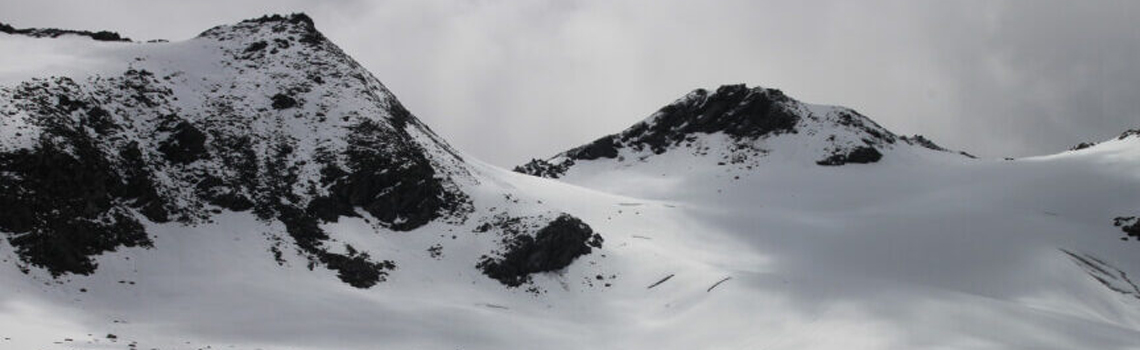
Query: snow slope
[(919, 249)]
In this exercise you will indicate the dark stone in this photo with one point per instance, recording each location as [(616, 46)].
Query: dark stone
[(140, 186), (295, 18), (922, 141), (1129, 224), (605, 147), (61, 208), (218, 193), (542, 168), (56, 32), (281, 101), (398, 188), (256, 46), (99, 120), (186, 143), (1129, 133), (860, 155), (735, 110), (552, 248), (104, 35), (357, 270), (281, 43), (1082, 145)]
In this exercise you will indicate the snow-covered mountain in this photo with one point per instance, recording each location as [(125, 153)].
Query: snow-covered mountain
[(740, 125), (256, 188)]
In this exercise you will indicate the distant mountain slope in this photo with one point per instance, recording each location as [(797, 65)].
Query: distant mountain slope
[(747, 122)]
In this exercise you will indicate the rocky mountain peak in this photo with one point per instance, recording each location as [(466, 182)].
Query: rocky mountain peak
[(735, 110), (278, 121), (298, 26), (750, 119)]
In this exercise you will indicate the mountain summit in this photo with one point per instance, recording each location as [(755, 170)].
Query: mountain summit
[(746, 123), (265, 116)]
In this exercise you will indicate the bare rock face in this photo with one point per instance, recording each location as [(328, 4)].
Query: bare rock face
[(859, 155), (174, 145), (55, 33), (1129, 224), (544, 168), (65, 205), (735, 110), (552, 248)]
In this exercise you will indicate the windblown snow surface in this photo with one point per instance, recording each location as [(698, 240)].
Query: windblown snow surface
[(923, 249)]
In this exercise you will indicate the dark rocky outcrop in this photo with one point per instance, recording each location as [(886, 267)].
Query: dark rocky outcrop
[(1129, 133), (1126, 134), (1082, 145), (55, 33), (859, 155), (922, 141), (72, 195), (64, 206), (112, 147), (543, 168), (282, 101), (741, 112), (735, 110), (392, 181), (256, 46), (185, 144), (1129, 224), (745, 116), (552, 248)]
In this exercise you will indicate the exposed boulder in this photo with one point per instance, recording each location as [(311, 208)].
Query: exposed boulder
[(1129, 224), (185, 144), (282, 101), (552, 248), (543, 168), (859, 155)]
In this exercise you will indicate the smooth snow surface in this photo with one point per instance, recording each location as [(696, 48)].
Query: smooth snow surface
[(922, 250)]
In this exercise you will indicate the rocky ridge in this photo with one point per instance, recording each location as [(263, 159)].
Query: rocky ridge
[(102, 35)]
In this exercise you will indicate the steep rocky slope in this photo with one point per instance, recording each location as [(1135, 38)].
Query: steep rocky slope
[(265, 116)]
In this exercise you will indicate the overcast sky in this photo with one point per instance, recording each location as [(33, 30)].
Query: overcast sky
[(506, 81)]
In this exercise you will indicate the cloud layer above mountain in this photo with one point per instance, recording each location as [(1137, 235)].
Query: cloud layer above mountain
[(507, 81)]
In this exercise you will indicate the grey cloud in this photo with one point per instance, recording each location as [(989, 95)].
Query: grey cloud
[(507, 81)]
